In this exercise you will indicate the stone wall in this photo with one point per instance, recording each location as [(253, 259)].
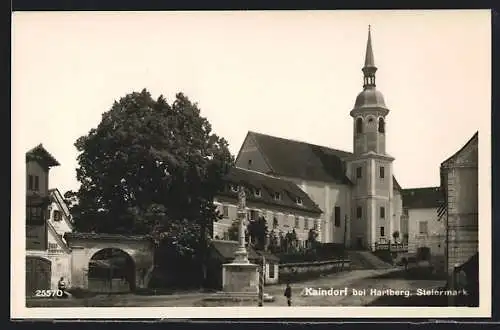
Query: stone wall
[(295, 271), (462, 216)]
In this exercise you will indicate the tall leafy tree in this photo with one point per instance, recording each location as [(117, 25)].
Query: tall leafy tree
[(257, 231), (151, 167)]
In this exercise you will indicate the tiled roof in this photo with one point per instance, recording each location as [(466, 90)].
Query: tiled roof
[(226, 250), (39, 153), (422, 198), (268, 185), (473, 139), (100, 236), (303, 160)]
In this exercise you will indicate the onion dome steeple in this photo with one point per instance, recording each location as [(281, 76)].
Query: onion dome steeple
[(369, 97)]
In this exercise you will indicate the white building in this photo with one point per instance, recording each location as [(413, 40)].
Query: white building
[(425, 228), (357, 191), (47, 219)]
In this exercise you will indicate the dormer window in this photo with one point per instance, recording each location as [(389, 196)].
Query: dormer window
[(234, 188), (257, 192), (298, 200), (277, 196)]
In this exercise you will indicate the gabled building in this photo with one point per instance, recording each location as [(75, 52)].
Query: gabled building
[(357, 191), (459, 183), (281, 202), (48, 257), (426, 230)]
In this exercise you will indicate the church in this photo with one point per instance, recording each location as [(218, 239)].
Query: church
[(356, 190)]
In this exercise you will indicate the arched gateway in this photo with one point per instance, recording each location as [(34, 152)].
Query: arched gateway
[(110, 262)]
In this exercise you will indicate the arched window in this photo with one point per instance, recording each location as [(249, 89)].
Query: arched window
[(381, 125), (359, 125)]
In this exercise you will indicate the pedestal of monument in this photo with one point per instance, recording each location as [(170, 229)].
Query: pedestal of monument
[(240, 278)]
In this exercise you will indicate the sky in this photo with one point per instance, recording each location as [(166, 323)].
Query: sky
[(292, 74)]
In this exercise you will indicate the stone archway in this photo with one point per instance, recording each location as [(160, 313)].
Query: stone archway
[(90, 251), (111, 270), (38, 274)]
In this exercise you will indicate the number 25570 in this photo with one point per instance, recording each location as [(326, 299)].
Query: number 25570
[(48, 293)]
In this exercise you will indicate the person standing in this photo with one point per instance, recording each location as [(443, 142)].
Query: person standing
[(288, 294), (61, 285)]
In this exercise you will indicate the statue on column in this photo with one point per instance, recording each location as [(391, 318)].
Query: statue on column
[(242, 199), (241, 253)]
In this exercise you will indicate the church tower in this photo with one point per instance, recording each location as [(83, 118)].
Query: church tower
[(370, 167)]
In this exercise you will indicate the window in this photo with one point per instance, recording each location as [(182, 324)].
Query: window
[(359, 125), (277, 196), (271, 270), (249, 163), (37, 187), (30, 182), (422, 227), (359, 212), (253, 215), (275, 222), (298, 200), (53, 246), (359, 172), (381, 125), (337, 216), (382, 172), (256, 192), (382, 212), (297, 222), (225, 211), (57, 215), (306, 223), (382, 231), (34, 215)]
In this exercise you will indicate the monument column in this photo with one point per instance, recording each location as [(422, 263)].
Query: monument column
[(241, 254), (240, 277)]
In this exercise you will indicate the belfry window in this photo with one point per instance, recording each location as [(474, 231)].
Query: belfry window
[(381, 125), (359, 125)]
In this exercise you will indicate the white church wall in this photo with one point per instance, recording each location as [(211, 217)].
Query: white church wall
[(329, 195)]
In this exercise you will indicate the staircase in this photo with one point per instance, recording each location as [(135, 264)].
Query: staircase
[(366, 260)]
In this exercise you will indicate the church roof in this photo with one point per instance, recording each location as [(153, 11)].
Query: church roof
[(268, 185), (41, 155), (370, 98), (295, 159), (422, 198)]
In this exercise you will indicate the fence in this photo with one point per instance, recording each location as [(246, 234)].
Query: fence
[(392, 247)]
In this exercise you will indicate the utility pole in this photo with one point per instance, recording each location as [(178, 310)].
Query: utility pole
[(262, 279)]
